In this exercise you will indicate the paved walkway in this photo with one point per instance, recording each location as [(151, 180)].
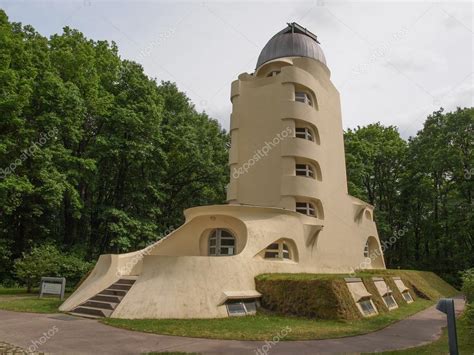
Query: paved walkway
[(61, 334)]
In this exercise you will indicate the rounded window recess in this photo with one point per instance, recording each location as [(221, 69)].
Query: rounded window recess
[(368, 215), (278, 251), (306, 208), (221, 243), (304, 133), (374, 253)]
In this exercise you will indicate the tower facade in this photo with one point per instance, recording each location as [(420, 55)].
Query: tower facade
[(287, 147), (288, 211)]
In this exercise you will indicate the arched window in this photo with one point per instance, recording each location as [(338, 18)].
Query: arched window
[(221, 243), (374, 253), (304, 97), (304, 133), (277, 250), (306, 208), (304, 170)]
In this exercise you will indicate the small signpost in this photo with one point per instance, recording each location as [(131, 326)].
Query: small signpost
[(53, 286), (446, 305)]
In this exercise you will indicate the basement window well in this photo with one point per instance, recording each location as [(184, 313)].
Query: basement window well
[(407, 297), (367, 307), (244, 307), (389, 301), (221, 243)]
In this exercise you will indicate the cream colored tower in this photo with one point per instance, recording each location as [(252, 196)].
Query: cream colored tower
[(288, 212), (286, 129)]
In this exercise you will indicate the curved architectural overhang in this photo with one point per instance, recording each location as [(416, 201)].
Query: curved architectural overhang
[(300, 148)]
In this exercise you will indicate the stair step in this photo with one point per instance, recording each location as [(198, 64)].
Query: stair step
[(109, 292), (125, 282), (120, 287), (101, 305), (102, 298), (83, 315), (92, 311)]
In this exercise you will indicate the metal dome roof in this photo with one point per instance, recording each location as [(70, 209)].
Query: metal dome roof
[(293, 41)]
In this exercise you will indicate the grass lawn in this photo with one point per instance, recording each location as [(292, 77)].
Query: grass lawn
[(12, 291), (20, 301), (465, 342), (264, 326)]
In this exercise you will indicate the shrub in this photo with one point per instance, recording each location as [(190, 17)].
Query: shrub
[(468, 284), (47, 260)]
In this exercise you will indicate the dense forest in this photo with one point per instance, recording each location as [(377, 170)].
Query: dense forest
[(96, 157)]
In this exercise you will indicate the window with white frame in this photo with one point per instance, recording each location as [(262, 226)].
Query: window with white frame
[(389, 301), (304, 170), (367, 307), (278, 251), (304, 133), (306, 208), (407, 297), (241, 307), (304, 97), (221, 243)]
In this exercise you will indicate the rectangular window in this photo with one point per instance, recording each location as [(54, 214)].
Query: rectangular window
[(304, 170), (303, 97), (304, 133), (406, 295), (305, 208), (236, 309), (241, 307), (270, 254), (389, 301), (367, 307)]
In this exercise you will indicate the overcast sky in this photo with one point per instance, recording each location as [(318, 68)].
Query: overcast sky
[(393, 62)]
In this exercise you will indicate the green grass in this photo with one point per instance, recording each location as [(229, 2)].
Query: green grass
[(264, 326), (12, 291), (465, 342), (20, 301), (431, 284)]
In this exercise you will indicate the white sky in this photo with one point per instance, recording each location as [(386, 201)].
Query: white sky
[(393, 62)]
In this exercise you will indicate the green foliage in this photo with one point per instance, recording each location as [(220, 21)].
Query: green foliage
[(423, 187), (293, 297), (293, 294), (468, 284), (94, 155), (266, 326), (47, 260)]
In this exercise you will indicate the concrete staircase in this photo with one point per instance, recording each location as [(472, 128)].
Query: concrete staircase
[(103, 304)]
